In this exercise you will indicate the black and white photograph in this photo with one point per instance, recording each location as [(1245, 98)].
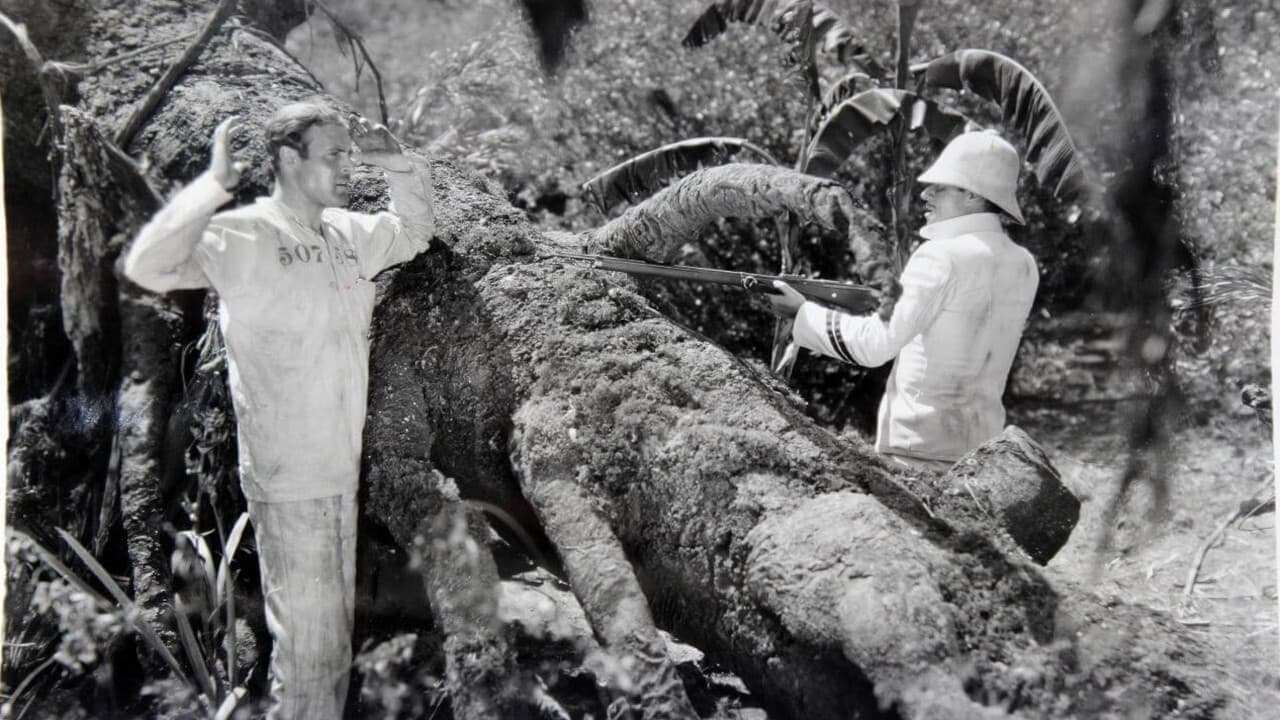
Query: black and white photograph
[(639, 359)]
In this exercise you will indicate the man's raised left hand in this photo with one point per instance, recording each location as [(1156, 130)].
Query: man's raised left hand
[(378, 147)]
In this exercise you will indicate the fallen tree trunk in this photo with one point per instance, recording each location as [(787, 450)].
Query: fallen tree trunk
[(787, 554), (724, 513)]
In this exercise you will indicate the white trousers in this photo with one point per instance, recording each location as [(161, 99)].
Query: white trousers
[(307, 556)]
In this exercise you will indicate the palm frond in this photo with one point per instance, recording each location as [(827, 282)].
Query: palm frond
[(1234, 285), (854, 120), (1026, 108), (830, 34), (644, 174)]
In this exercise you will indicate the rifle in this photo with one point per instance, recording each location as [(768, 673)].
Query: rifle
[(845, 296)]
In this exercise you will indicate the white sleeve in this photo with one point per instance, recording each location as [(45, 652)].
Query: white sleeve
[(162, 257), (404, 230), (866, 339)]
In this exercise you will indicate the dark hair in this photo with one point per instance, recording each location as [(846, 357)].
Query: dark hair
[(287, 126)]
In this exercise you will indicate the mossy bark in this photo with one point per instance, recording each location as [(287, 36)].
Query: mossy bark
[(793, 557)]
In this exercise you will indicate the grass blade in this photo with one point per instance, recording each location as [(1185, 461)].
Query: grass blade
[(145, 631), (225, 591), (52, 561), (228, 552), (196, 657)]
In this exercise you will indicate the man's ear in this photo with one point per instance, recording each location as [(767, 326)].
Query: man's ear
[(289, 156)]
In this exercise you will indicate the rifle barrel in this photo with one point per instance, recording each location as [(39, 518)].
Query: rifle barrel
[(841, 295)]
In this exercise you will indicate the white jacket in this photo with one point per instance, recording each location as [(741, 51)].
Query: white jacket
[(295, 308), (966, 295)]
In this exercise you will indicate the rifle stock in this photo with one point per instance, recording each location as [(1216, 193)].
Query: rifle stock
[(857, 299)]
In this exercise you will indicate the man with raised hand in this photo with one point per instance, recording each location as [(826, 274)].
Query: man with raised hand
[(293, 272), (966, 295)]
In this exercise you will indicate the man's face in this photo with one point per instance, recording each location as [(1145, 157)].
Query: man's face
[(943, 202), (323, 174)]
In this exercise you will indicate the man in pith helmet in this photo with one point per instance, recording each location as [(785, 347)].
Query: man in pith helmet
[(966, 295), (294, 276)]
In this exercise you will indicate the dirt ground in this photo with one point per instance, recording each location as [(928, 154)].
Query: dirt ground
[(1212, 469)]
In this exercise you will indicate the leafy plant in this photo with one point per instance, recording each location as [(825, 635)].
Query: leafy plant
[(90, 622), (856, 108)]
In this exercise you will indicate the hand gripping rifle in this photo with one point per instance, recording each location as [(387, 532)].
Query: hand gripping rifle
[(856, 299)]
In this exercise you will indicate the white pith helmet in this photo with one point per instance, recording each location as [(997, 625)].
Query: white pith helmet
[(983, 163)]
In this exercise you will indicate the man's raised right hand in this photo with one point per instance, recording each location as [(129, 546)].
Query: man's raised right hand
[(225, 169)]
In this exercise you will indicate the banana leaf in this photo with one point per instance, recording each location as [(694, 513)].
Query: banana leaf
[(854, 120), (852, 83), (1026, 107), (829, 32), (804, 37), (644, 174)]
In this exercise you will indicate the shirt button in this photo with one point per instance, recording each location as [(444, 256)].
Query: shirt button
[(333, 285)]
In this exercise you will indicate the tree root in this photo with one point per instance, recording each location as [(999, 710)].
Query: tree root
[(601, 577), (448, 540), (150, 326), (461, 580)]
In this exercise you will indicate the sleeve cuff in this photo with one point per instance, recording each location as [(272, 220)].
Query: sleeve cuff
[(206, 194), (410, 193)]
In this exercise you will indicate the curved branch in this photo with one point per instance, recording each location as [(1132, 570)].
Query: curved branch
[(655, 228), (637, 178), (52, 98), (166, 81)]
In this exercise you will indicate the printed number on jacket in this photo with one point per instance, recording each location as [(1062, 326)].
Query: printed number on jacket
[(312, 253)]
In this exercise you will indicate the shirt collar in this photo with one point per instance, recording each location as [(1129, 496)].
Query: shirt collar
[(964, 224), (283, 212)]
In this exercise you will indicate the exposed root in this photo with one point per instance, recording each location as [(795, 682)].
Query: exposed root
[(74, 70), (604, 582), (462, 584), (150, 325)]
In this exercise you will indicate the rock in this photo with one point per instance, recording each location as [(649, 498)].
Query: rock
[(1013, 480), (541, 608)]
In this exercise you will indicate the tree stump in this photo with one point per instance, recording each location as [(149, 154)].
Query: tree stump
[(1012, 480)]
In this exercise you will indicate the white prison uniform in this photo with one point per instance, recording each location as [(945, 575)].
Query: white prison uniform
[(966, 295), (295, 308)]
